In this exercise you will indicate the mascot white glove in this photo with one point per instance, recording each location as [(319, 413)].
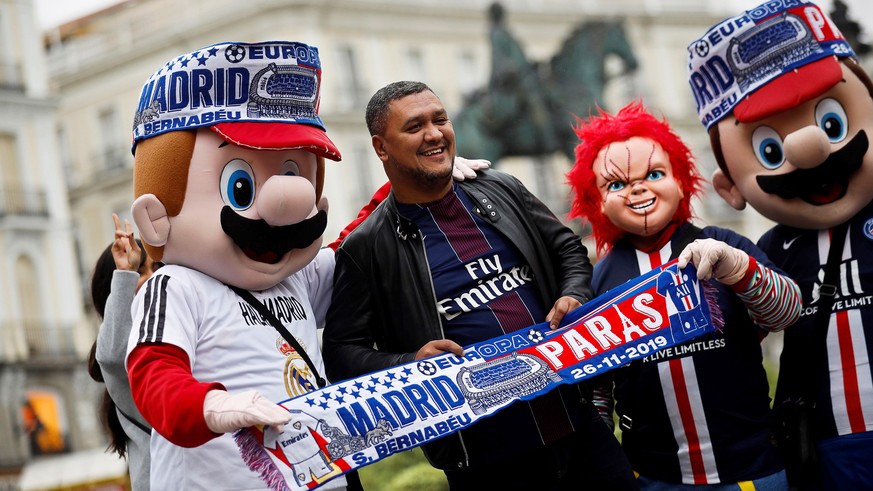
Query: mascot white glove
[(226, 412), (466, 169), (715, 259)]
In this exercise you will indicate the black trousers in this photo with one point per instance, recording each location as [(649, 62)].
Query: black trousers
[(589, 458)]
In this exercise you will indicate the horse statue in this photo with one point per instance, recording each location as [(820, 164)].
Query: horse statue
[(528, 108)]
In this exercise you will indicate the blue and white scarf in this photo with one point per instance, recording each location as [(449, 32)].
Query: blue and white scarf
[(359, 421)]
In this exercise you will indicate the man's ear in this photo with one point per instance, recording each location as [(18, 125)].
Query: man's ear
[(379, 147), (151, 219), (727, 190)]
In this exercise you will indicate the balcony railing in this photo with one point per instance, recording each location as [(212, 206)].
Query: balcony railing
[(16, 201), (46, 340), (10, 76), (113, 158)]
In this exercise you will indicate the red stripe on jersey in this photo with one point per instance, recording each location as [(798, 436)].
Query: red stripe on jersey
[(654, 260), (460, 229), (683, 403), (850, 374)]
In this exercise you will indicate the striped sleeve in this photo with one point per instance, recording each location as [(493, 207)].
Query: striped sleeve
[(151, 325), (773, 300), (602, 397)]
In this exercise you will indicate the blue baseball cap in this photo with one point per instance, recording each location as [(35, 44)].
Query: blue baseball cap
[(256, 95), (767, 60)]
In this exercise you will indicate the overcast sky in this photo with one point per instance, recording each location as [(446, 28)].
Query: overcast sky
[(53, 12)]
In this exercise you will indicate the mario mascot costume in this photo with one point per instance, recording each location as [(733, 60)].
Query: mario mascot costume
[(229, 160), (789, 110)]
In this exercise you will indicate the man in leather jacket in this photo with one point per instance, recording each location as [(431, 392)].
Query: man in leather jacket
[(440, 265)]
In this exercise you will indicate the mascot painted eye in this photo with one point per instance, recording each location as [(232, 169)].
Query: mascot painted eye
[(238, 185), (768, 147), (290, 168), (831, 117)]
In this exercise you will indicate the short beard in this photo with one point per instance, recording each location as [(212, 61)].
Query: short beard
[(426, 180)]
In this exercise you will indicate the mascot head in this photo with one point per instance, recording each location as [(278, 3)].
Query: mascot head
[(229, 162), (633, 176), (789, 113)]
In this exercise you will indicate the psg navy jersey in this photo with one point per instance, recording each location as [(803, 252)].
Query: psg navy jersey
[(698, 412), (843, 380), (484, 288)]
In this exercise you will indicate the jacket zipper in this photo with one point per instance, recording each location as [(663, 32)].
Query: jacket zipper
[(442, 332)]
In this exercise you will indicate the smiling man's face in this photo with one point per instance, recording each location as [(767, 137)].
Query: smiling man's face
[(809, 192), (417, 148)]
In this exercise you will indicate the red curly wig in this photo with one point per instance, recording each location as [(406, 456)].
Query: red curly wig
[(599, 131)]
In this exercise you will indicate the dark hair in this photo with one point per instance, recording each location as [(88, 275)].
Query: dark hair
[(101, 278), (108, 414), (377, 108), (101, 285)]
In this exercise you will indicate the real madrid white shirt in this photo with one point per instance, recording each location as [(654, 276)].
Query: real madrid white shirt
[(228, 342)]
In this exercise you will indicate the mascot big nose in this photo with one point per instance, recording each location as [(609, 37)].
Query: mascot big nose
[(807, 147), (286, 200)]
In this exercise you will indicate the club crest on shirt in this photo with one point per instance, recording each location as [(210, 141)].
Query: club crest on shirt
[(297, 374), (868, 228)]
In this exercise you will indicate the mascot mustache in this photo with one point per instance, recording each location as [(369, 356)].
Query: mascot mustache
[(826, 182), (263, 243)]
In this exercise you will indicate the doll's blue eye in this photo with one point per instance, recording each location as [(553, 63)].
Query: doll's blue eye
[(767, 145), (655, 175), (615, 186), (831, 118), (237, 185)]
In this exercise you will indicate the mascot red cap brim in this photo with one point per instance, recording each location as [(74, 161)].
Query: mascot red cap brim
[(278, 136), (790, 90)]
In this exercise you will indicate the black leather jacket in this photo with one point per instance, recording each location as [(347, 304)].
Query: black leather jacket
[(383, 295)]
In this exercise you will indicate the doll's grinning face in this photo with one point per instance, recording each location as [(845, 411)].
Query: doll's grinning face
[(638, 191)]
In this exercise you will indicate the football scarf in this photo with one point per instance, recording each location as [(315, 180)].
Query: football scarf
[(359, 421)]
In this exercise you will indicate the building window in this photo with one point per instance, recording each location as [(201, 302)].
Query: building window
[(66, 157), (352, 96), (111, 154), (415, 67), (10, 66), (15, 198), (363, 188), (9, 163), (468, 79), (29, 303)]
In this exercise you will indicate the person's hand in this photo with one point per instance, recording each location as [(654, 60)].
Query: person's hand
[(125, 250), (715, 259), (226, 412), (560, 309), (438, 347), (466, 169)]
